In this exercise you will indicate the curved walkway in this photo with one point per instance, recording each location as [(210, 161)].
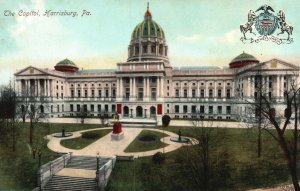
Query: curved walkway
[(107, 147)]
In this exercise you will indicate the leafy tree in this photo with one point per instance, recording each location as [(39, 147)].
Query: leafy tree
[(166, 120)]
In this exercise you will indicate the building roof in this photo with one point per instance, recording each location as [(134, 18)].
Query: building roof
[(148, 28), (66, 62), (96, 70), (244, 57), (197, 68)]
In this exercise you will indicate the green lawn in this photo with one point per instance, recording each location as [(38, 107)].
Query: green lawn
[(80, 142), (139, 146), (18, 169)]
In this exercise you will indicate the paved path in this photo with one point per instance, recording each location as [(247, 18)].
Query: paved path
[(107, 147)]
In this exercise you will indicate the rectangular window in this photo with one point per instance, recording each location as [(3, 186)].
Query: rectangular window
[(113, 93), (202, 93), (56, 95), (176, 108), (106, 108), (210, 93), (228, 93), (99, 108), (78, 93), (99, 93), (72, 93), (92, 108), (93, 93), (62, 96), (71, 108), (51, 109), (106, 93), (62, 107), (219, 109), (127, 94), (202, 109), (219, 93), (113, 108), (57, 108), (85, 108), (185, 109), (140, 93), (270, 95), (210, 109), (177, 93), (85, 93), (193, 93), (185, 93), (228, 110), (193, 109), (78, 108)]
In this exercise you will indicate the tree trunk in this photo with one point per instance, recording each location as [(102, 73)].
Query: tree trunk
[(14, 136), (290, 162), (30, 132)]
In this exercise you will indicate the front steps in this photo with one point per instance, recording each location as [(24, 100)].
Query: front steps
[(67, 183)]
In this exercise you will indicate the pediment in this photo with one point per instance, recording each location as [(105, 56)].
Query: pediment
[(30, 70), (273, 64)]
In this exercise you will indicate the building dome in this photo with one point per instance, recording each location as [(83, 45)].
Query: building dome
[(148, 42), (243, 60), (66, 65), (148, 28)]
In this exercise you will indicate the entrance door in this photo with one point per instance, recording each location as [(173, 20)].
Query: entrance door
[(139, 111), (126, 111)]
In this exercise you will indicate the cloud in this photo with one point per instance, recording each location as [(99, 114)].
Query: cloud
[(231, 37), (195, 38)]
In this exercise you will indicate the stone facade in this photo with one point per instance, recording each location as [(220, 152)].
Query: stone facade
[(147, 86)]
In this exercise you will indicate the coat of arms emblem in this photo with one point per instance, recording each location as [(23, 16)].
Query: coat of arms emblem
[(266, 24)]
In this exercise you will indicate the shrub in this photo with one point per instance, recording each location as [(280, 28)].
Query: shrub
[(166, 120), (90, 135), (158, 158)]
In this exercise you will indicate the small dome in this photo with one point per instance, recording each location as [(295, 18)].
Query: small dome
[(66, 65), (243, 60), (148, 28)]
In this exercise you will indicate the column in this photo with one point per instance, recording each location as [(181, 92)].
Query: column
[(38, 87), (215, 90), (198, 89), (148, 87), (145, 87), (233, 89), (118, 85), (267, 85), (277, 86), (206, 88), (75, 90), (157, 87), (252, 86), (134, 87), (248, 87), (282, 86), (224, 89), (162, 87), (121, 87), (131, 87)]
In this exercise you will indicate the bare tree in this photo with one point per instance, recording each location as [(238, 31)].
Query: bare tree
[(33, 106), (281, 121), (209, 165)]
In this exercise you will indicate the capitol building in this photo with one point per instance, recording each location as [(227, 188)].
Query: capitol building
[(147, 86)]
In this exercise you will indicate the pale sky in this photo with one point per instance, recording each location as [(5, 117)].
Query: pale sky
[(198, 32)]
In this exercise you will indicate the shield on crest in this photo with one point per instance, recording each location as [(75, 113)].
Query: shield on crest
[(266, 23)]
